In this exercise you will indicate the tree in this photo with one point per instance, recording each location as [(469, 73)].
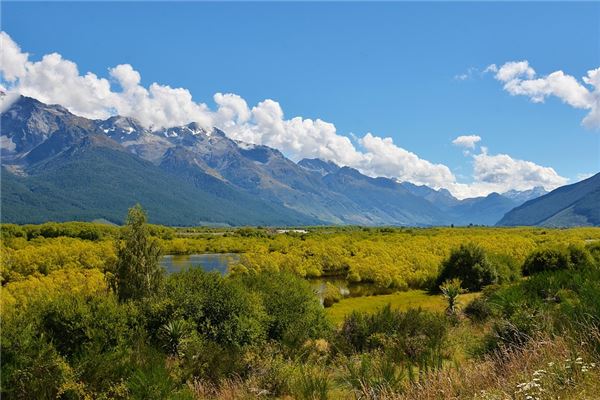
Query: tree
[(471, 265), (451, 289), (138, 273)]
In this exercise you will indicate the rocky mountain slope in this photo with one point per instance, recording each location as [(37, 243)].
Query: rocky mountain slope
[(59, 166)]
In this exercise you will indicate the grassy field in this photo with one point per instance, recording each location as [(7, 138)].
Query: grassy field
[(399, 300)]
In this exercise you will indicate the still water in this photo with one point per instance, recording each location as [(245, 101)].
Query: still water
[(221, 263), (208, 262)]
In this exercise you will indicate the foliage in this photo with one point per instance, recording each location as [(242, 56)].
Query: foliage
[(451, 289), (557, 258), (413, 335), (374, 376), (478, 309), (220, 309), (551, 302), (293, 311), (471, 265), (331, 295), (311, 384), (137, 272), (261, 332), (43, 256)]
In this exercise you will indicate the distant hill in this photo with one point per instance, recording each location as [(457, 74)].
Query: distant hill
[(485, 210), (572, 205), (59, 166)]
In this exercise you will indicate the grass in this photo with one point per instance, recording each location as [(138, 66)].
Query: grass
[(399, 300)]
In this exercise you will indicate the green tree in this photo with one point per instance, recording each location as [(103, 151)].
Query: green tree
[(451, 289), (138, 273), (471, 265)]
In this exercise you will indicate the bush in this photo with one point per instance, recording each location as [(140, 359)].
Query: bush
[(294, 312), (311, 384), (548, 259), (71, 346), (471, 265), (478, 309), (414, 335), (374, 376), (220, 308), (557, 258)]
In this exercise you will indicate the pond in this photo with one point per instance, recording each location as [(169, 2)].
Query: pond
[(221, 262), (208, 262), (347, 289)]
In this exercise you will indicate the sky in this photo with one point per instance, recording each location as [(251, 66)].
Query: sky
[(472, 97)]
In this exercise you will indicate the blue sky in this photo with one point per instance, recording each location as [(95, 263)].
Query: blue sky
[(389, 69)]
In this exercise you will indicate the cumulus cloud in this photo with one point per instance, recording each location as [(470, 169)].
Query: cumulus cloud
[(467, 141), (12, 60), (520, 79), (500, 173), (53, 79)]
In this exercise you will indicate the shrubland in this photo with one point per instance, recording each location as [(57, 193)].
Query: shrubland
[(87, 313)]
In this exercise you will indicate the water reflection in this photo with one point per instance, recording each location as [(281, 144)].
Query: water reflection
[(222, 262), (346, 288), (208, 262)]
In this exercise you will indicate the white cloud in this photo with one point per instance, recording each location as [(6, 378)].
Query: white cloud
[(12, 60), (56, 80), (501, 173), (583, 176), (470, 73), (520, 79), (467, 141)]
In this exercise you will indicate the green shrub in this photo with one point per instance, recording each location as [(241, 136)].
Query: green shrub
[(312, 383), (221, 310), (294, 312), (471, 265), (151, 381), (548, 259), (478, 309), (373, 376), (31, 366), (413, 335), (451, 289), (594, 250)]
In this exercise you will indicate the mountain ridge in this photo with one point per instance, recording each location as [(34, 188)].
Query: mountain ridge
[(219, 170)]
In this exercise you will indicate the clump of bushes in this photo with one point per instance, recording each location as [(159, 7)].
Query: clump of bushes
[(412, 335), (471, 264), (556, 259)]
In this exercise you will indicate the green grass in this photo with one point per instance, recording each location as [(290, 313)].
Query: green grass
[(399, 300)]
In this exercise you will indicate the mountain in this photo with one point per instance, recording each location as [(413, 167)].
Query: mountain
[(59, 189), (319, 166), (381, 199), (441, 198), (485, 210), (525, 195), (79, 174), (572, 205), (59, 166)]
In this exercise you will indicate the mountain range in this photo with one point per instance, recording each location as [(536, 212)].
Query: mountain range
[(59, 166), (571, 205)]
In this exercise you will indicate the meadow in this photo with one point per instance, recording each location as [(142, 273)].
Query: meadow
[(473, 312)]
